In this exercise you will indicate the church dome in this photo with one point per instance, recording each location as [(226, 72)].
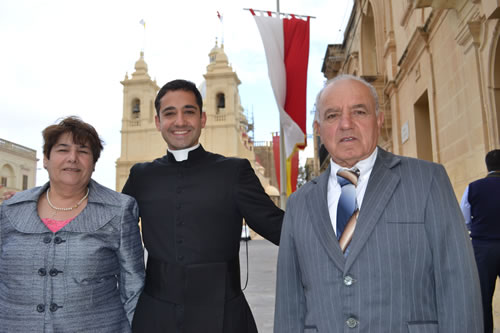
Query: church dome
[(217, 55), (141, 69), (140, 65)]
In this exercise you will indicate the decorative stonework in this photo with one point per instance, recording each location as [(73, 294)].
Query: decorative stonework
[(410, 5), (469, 35), (416, 44), (417, 72), (436, 4)]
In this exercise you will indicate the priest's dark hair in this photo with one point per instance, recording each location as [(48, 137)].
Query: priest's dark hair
[(178, 84)]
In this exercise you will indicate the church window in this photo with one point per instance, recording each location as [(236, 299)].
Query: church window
[(136, 108), (25, 182), (221, 101), (4, 182)]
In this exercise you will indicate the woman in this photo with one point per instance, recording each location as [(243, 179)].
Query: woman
[(71, 257)]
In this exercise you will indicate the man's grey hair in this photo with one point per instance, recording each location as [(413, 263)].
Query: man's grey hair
[(344, 77)]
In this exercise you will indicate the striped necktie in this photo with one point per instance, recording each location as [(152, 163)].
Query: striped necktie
[(347, 209)]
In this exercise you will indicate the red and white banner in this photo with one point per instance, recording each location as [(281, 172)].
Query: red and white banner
[(286, 43), (292, 166)]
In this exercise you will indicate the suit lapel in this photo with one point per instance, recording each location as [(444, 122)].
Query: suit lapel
[(22, 211), (100, 209), (322, 225), (381, 185)]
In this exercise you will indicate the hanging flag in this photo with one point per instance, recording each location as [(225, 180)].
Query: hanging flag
[(286, 44), (143, 23), (219, 16), (292, 166)]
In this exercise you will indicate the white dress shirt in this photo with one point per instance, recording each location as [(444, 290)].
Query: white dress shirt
[(465, 207), (182, 154), (365, 168)]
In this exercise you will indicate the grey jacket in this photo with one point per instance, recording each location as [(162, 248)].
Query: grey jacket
[(410, 267), (87, 277)]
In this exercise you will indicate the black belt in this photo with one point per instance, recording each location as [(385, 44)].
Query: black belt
[(201, 288)]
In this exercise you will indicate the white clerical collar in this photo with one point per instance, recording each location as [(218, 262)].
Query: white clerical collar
[(365, 166), (182, 154)]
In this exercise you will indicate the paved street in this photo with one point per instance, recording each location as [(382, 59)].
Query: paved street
[(261, 286), (262, 278)]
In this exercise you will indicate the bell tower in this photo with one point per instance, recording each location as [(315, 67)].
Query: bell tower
[(225, 131), (140, 140), (226, 128)]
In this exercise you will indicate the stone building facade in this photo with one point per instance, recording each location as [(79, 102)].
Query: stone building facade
[(436, 67), (17, 167), (225, 132)]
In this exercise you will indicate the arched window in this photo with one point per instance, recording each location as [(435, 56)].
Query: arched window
[(221, 101), (7, 176), (136, 108)]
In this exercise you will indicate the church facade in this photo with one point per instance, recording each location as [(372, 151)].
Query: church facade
[(225, 132), (436, 67)]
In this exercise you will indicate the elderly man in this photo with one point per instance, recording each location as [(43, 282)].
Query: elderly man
[(379, 246)]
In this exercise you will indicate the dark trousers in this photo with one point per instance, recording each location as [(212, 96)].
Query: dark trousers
[(487, 255)]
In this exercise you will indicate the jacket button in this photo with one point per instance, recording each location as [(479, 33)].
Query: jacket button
[(180, 258), (54, 272), (54, 307), (351, 322), (58, 240), (47, 239), (40, 308), (179, 241), (348, 280), (179, 190), (42, 272)]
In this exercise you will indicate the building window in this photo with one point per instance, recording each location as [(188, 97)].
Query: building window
[(25, 182), (221, 101), (4, 181), (136, 108)]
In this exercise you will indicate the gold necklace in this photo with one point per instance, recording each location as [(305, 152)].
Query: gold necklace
[(68, 208)]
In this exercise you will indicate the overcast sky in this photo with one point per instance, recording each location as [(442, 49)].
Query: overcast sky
[(61, 58)]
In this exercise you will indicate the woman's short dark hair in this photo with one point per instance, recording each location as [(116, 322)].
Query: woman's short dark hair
[(83, 134)]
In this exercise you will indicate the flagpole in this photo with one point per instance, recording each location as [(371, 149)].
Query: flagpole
[(275, 82), (143, 23), (283, 175)]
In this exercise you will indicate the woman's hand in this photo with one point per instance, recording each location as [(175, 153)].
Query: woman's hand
[(7, 195)]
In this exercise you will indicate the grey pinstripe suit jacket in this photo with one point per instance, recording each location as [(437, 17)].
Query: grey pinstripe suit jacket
[(410, 267), (92, 269)]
